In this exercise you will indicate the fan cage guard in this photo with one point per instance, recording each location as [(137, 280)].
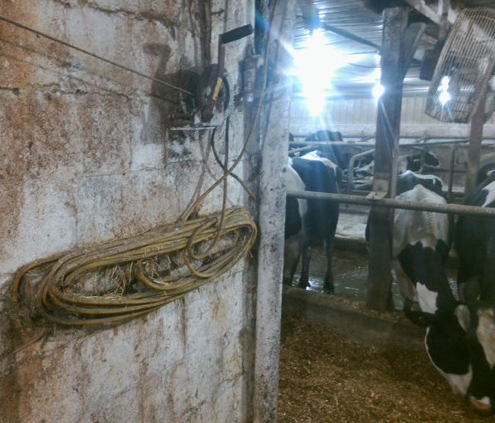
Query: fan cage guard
[(467, 59)]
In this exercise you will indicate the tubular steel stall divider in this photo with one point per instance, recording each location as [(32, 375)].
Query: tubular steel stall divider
[(350, 168), (395, 204)]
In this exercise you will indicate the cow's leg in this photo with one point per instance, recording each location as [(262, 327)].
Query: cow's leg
[(328, 282), (292, 251), (468, 282), (306, 259), (469, 290), (406, 287)]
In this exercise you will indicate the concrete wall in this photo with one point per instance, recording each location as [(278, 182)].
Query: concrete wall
[(88, 154), (357, 117)]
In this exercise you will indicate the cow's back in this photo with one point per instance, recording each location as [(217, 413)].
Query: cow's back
[(412, 226), (318, 176)]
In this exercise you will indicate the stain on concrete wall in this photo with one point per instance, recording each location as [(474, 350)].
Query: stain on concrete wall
[(91, 152)]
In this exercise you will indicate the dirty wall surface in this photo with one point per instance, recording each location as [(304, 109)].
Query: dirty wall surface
[(89, 153)]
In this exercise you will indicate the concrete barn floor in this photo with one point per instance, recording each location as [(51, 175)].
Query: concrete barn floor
[(350, 260)]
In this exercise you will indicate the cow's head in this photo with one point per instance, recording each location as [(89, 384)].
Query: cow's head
[(460, 342), (416, 162)]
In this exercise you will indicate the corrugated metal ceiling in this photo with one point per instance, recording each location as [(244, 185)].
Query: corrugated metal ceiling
[(361, 59), (349, 15)]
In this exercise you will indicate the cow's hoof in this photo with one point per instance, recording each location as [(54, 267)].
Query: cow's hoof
[(482, 406), (302, 285), (329, 291)]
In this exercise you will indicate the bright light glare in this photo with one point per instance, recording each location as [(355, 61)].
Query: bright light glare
[(377, 90), (314, 66), (444, 97)]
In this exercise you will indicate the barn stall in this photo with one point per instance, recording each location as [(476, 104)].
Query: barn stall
[(131, 292), (463, 147)]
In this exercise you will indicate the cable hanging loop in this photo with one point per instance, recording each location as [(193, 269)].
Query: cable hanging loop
[(57, 298)]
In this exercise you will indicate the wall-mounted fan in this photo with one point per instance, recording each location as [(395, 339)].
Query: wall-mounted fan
[(465, 68)]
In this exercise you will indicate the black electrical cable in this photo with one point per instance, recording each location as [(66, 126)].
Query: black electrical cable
[(49, 37)]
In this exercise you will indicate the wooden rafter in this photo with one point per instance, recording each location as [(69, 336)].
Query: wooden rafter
[(434, 10)]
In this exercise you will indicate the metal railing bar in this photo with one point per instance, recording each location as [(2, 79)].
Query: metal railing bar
[(395, 203)]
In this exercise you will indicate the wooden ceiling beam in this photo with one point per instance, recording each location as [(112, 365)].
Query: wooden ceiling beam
[(310, 14), (434, 10)]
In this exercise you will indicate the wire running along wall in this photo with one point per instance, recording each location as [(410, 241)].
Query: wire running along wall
[(145, 272), (121, 279)]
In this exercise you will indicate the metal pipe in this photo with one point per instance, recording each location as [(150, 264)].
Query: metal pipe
[(350, 36), (323, 143), (371, 144), (299, 150), (395, 204), (453, 151), (424, 140), (350, 168)]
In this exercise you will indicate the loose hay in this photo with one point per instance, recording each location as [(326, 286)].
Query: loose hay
[(326, 378)]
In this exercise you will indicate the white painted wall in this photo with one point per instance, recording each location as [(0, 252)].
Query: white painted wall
[(86, 156), (357, 117)]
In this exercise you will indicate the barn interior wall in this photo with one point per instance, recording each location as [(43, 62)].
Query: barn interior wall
[(357, 118), (88, 154)]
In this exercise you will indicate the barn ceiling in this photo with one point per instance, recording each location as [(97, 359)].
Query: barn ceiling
[(352, 29)]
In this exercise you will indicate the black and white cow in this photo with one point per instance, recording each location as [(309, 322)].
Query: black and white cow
[(413, 162), (421, 243), (325, 135), (460, 337), (295, 228), (416, 162), (420, 247), (409, 179), (475, 247), (333, 152), (318, 223)]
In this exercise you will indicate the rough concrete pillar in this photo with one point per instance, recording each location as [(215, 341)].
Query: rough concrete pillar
[(274, 131), (474, 150), (386, 152)]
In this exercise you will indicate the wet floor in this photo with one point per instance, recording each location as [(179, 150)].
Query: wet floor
[(350, 271)]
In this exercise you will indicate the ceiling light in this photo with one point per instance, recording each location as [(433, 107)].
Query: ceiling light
[(377, 90), (315, 66), (444, 97)]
